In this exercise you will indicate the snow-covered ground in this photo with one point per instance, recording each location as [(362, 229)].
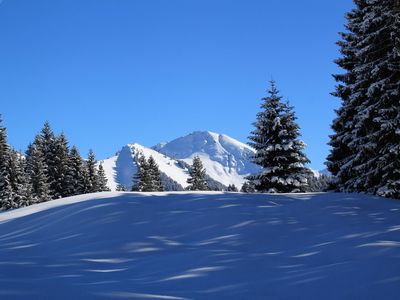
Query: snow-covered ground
[(202, 246)]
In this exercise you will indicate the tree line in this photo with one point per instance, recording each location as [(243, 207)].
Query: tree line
[(48, 170)]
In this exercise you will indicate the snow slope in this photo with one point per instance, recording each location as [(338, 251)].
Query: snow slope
[(202, 246), (225, 159)]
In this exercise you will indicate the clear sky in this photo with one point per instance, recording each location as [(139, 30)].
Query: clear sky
[(110, 72)]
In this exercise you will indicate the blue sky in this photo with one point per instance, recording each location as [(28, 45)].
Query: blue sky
[(109, 73)]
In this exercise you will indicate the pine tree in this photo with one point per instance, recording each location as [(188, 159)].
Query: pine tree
[(47, 144), (366, 144), (121, 188), (143, 178), (197, 180), (61, 172), (278, 150), (76, 173), (156, 185), (20, 181), (91, 173), (247, 187), (36, 170), (102, 180), (232, 188), (7, 194)]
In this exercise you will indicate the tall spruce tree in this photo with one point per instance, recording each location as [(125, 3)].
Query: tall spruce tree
[(76, 173), (36, 170), (6, 192), (91, 173), (198, 179), (278, 148), (102, 180), (62, 175), (20, 181), (47, 144), (366, 144), (143, 178), (156, 184)]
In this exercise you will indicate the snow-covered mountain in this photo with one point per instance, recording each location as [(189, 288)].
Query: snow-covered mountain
[(226, 160), (121, 167)]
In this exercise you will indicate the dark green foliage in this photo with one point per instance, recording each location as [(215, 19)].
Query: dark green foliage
[(121, 188), (366, 143), (197, 180), (248, 187), (321, 183), (91, 173), (169, 184), (102, 180), (148, 177), (155, 175), (232, 188), (62, 176), (76, 173), (47, 145), (36, 170), (278, 150)]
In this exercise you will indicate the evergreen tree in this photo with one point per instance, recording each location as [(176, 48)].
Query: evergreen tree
[(366, 144), (248, 187), (143, 179), (278, 150), (232, 188), (76, 173), (156, 185), (318, 184), (197, 180), (6, 192), (20, 181), (36, 169), (121, 188), (91, 173), (61, 172), (47, 144), (102, 180)]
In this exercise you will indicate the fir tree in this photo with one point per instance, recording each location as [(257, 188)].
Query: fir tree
[(6, 192), (102, 180), (47, 145), (143, 180), (197, 180), (156, 185), (247, 187), (61, 173), (366, 144), (232, 188), (91, 173), (121, 188), (278, 150), (20, 181), (36, 170), (76, 173)]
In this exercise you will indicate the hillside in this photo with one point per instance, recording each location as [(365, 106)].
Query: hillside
[(202, 246)]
